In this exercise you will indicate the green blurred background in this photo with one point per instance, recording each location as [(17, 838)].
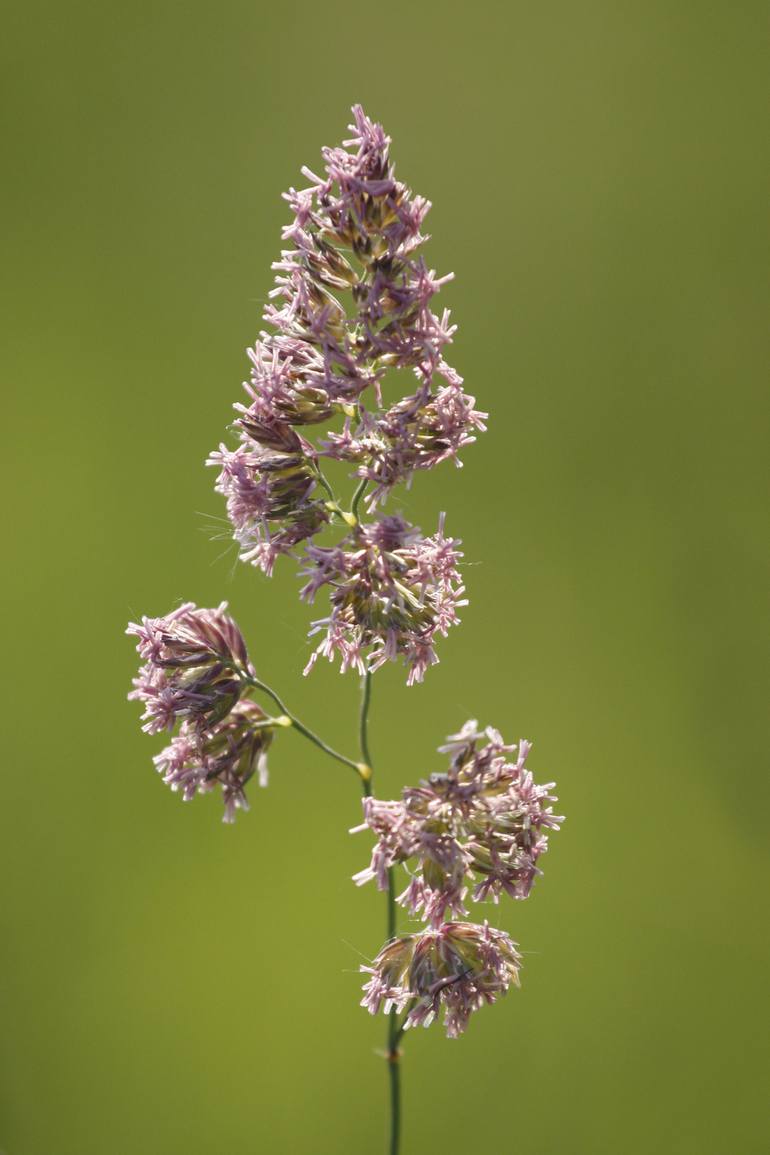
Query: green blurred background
[(171, 985)]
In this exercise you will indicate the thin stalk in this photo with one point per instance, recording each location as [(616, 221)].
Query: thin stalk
[(394, 1030), (394, 1035), (363, 726), (357, 497), (391, 904), (362, 770), (322, 481), (395, 1100), (333, 505)]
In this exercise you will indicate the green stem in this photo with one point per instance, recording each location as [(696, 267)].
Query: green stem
[(333, 505), (362, 770), (357, 496), (395, 1100), (322, 481), (391, 904), (394, 1030), (363, 727)]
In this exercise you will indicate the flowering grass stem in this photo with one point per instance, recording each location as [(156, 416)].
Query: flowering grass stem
[(352, 300)]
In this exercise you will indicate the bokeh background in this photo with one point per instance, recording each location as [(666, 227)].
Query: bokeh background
[(171, 985)]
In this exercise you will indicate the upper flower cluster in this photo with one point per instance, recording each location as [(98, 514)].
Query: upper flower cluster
[(481, 826), (352, 300), (195, 672), (358, 229)]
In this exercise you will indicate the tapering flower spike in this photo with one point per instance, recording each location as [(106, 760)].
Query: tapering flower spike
[(352, 300)]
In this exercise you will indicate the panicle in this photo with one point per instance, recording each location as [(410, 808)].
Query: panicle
[(480, 827), (353, 300), (193, 660), (457, 966), (392, 591)]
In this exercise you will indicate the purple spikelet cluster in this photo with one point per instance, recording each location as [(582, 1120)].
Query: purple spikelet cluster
[(196, 673), (192, 659), (457, 966), (478, 829), (352, 300), (392, 592)]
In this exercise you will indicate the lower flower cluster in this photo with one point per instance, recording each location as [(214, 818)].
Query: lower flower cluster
[(477, 829), (459, 966)]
